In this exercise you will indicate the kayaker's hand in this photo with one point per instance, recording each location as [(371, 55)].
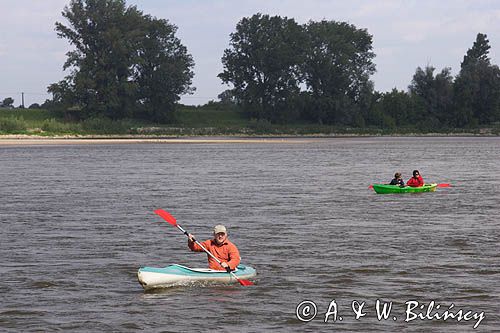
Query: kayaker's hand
[(226, 267), (191, 237)]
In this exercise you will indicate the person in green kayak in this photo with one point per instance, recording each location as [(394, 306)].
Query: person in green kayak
[(416, 180), (398, 180), (220, 247)]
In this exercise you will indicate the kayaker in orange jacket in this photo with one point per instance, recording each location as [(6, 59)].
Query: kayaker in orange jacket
[(416, 180), (220, 247)]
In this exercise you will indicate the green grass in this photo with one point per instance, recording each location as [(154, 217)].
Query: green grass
[(22, 120), (189, 121), (28, 114), (198, 117), (44, 122)]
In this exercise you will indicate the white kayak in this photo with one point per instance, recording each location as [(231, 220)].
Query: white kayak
[(175, 275)]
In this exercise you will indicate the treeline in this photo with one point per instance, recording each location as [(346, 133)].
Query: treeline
[(470, 99), (320, 72), (7, 102), (130, 65)]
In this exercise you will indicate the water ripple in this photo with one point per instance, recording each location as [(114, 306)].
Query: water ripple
[(77, 223)]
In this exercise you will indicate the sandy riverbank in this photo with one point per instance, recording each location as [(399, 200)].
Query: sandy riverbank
[(21, 139), (8, 140)]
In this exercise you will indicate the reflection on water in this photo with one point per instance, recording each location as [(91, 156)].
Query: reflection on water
[(77, 222)]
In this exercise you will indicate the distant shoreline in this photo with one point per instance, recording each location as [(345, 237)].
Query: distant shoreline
[(21, 139), (7, 140)]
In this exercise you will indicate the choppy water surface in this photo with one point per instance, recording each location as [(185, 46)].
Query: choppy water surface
[(77, 222)]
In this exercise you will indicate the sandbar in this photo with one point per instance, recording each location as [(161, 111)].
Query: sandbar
[(25, 140)]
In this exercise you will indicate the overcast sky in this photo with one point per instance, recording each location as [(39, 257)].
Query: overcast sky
[(406, 34)]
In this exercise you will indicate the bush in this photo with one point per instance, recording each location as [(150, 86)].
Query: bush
[(261, 126), (13, 124), (106, 126), (54, 126)]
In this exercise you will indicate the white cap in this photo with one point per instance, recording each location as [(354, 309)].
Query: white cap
[(220, 228)]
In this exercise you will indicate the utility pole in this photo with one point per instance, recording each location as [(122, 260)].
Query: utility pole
[(22, 98)]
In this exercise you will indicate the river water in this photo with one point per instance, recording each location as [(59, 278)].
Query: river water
[(77, 222)]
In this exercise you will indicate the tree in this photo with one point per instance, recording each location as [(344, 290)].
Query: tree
[(337, 68), (436, 94), (396, 109), (227, 97), (262, 64), (478, 52), (105, 34), (477, 87), (163, 72), (7, 102), (119, 55)]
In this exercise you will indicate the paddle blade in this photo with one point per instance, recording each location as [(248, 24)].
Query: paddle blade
[(166, 216), (245, 282), (241, 281), (371, 186), (444, 185)]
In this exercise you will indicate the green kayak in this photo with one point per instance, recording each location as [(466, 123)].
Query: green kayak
[(385, 189)]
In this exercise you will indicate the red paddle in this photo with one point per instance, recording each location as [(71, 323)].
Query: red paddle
[(170, 219)]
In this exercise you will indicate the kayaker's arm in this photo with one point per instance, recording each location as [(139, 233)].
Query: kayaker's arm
[(192, 244), (234, 257)]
